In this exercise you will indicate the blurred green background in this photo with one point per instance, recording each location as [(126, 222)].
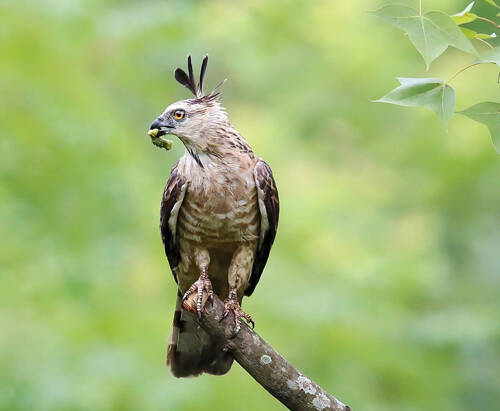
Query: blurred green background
[(384, 282)]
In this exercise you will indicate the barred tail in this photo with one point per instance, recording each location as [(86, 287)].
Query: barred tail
[(190, 349)]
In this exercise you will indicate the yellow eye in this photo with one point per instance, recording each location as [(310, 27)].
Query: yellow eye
[(179, 114)]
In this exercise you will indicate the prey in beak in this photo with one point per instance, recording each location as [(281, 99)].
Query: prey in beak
[(158, 129)]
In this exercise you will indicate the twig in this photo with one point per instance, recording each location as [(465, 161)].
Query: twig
[(280, 378), (485, 42), (488, 21), (463, 69)]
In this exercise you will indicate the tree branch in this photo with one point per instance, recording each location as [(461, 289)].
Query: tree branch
[(280, 378)]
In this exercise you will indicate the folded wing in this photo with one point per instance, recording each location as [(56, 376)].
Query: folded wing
[(171, 202), (269, 208)]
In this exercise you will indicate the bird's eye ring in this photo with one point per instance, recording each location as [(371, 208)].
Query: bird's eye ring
[(179, 114)]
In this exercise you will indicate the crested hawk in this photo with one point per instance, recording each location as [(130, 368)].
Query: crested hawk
[(218, 220)]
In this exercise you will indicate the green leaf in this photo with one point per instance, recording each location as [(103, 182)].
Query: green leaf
[(471, 34), (493, 4), (465, 16), (491, 56), (487, 113), (432, 93), (466, 10), (431, 33)]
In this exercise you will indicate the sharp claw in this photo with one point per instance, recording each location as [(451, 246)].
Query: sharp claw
[(232, 304), (187, 293), (225, 314)]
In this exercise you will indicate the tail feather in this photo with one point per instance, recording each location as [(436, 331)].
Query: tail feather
[(191, 351)]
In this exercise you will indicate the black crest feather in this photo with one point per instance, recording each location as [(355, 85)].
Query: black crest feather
[(191, 75), (188, 81), (202, 73)]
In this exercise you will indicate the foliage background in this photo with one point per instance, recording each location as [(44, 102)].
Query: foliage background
[(384, 283)]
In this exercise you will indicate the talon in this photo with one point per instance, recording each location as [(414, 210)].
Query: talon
[(250, 321), (204, 292), (231, 304)]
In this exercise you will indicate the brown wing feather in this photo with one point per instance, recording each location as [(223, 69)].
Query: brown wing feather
[(172, 194), (269, 206)]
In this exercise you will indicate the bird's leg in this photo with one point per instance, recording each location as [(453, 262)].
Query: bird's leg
[(202, 286), (238, 275)]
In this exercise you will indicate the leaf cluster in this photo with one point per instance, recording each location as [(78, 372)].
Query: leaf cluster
[(432, 33)]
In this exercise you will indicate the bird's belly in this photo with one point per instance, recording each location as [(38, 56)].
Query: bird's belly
[(219, 221)]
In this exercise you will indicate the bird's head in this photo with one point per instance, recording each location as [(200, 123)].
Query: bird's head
[(194, 121)]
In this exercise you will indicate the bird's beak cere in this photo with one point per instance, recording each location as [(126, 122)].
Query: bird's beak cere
[(160, 127)]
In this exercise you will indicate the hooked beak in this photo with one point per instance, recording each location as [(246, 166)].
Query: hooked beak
[(159, 128)]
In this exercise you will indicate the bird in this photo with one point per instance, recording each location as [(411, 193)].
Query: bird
[(218, 220)]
